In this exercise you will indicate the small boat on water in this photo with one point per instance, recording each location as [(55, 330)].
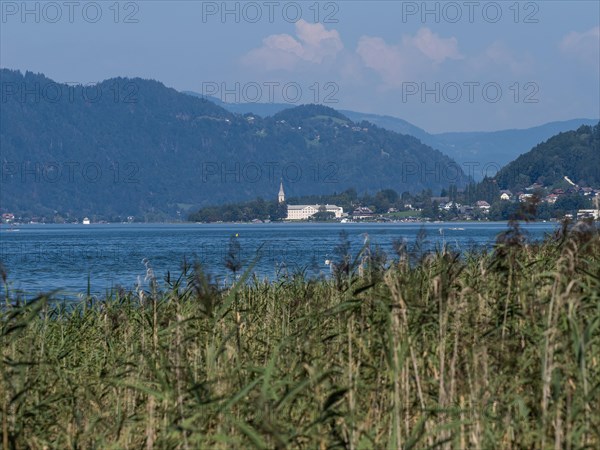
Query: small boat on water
[(10, 228), (85, 221)]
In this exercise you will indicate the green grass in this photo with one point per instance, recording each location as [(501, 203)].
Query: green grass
[(488, 350), (403, 214)]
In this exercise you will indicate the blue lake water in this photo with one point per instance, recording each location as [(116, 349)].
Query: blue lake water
[(62, 257)]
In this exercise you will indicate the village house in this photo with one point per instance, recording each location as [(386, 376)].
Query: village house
[(587, 191), (483, 205), (588, 214), (525, 197), (362, 212), (450, 205)]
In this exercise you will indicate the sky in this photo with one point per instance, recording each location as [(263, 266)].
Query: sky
[(443, 66)]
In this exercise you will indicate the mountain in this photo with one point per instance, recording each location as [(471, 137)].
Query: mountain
[(473, 150), (497, 148), (259, 109), (393, 124), (574, 154), (270, 109), (135, 147)]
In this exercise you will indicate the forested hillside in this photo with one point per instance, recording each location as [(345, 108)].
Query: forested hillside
[(135, 147)]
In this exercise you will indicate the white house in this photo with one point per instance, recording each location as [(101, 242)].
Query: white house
[(303, 212), (525, 197), (448, 206), (362, 212), (300, 212), (588, 213)]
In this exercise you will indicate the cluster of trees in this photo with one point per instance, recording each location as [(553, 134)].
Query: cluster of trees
[(508, 209), (241, 212), (566, 204), (380, 202), (349, 199)]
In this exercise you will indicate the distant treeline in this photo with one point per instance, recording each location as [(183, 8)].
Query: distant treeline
[(380, 203), (425, 205)]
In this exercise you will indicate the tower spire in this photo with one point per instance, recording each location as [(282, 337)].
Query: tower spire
[(281, 196)]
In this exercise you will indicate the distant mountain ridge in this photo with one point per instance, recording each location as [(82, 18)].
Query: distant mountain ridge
[(477, 150), (135, 147), (498, 148)]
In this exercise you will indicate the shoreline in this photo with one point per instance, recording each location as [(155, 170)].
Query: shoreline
[(7, 227)]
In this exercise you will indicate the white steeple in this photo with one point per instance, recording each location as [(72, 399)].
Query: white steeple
[(281, 196)]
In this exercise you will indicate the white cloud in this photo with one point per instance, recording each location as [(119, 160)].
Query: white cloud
[(583, 46), (387, 60), (413, 56), (313, 44), (431, 45), (497, 58)]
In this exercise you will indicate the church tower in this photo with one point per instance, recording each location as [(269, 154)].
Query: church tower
[(281, 196)]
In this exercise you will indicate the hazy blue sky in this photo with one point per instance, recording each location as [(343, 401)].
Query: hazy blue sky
[(444, 66)]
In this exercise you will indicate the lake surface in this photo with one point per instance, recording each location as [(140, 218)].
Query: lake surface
[(62, 257)]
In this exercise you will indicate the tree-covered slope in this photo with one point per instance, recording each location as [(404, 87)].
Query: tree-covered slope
[(482, 151), (574, 154), (136, 147)]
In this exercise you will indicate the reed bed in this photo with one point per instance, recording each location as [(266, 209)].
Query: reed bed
[(485, 350)]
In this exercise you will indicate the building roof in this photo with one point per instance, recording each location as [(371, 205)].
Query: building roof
[(300, 207)]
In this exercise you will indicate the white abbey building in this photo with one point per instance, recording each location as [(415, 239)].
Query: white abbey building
[(303, 212)]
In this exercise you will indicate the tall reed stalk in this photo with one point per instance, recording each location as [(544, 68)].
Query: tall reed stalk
[(488, 349)]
